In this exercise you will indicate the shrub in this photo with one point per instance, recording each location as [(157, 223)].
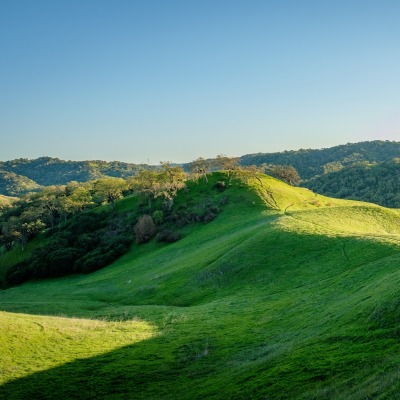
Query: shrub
[(158, 217), (61, 261), (208, 216), (86, 241), (168, 236), (145, 229), (19, 273), (224, 201), (102, 256), (220, 186), (87, 222), (92, 261)]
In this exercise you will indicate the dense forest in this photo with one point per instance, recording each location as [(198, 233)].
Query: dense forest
[(376, 183), (12, 184), (310, 163)]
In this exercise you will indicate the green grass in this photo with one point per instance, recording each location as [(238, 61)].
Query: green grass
[(289, 296)]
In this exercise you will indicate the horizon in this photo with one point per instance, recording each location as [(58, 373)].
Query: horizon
[(141, 83), (186, 162)]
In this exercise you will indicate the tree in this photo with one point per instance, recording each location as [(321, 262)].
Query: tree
[(285, 173), (200, 168), (249, 172), (146, 183), (21, 229), (109, 189), (171, 179), (78, 199), (47, 203), (226, 163), (333, 166)]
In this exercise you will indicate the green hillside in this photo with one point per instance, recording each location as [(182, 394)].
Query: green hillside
[(314, 162), (48, 171), (12, 184), (284, 295)]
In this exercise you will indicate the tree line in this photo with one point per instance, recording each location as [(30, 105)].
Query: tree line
[(48, 207)]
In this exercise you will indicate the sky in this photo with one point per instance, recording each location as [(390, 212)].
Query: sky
[(151, 80)]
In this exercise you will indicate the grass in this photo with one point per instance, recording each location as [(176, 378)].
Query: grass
[(285, 295), (7, 200)]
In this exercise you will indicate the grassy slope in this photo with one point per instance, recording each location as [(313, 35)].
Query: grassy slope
[(6, 200), (293, 296)]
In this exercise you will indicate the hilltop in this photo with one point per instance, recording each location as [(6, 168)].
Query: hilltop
[(320, 170), (286, 294)]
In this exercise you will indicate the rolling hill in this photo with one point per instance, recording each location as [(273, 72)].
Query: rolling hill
[(314, 162), (285, 295), (46, 171), (12, 184), (315, 167)]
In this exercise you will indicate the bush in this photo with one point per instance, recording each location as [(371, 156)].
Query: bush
[(61, 261), (92, 261), (87, 222), (220, 186), (168, 236), (102, 256), (19, 273), (145, 229), (158, 217), (224, 201)]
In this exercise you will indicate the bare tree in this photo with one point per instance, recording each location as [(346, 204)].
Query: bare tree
[(200, 168), (226, 163), (249, 172), (285, 173)]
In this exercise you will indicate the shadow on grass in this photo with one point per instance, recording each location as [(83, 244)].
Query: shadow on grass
[(180, 365), (125, 373)]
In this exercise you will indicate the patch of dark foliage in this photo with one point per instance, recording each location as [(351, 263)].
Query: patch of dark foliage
[(168, 236), (86, 243), (220, 186)]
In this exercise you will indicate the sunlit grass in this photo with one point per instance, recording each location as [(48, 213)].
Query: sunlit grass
[(31, 343)]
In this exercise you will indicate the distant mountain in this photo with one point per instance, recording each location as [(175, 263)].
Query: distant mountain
[(310, 163), (45, 171), (323, 171)]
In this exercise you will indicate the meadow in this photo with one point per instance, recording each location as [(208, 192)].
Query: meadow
[(284, 295)]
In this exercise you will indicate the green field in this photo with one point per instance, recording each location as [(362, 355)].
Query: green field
[(285, 295)]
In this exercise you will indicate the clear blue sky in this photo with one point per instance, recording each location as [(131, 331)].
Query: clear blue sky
[(155, 80)]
